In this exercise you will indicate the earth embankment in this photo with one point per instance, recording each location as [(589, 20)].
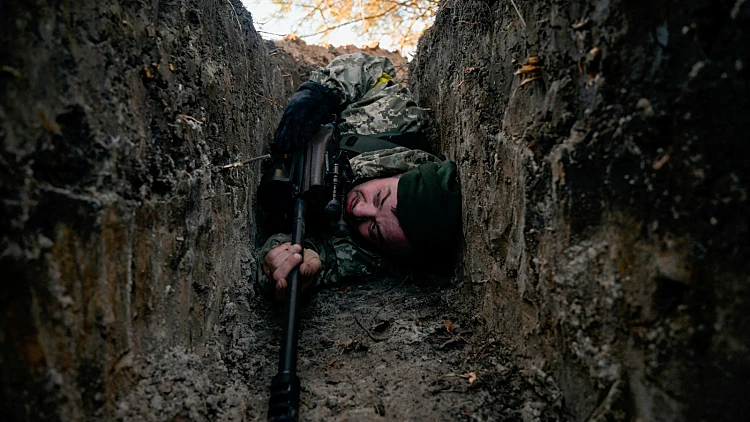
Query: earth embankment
[(602, 152), (602, 148)]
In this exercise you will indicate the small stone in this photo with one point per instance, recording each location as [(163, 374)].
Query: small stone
[(45, 242), (696, 69), (645, 105), (157, 403), (165, 387), (501, 369)]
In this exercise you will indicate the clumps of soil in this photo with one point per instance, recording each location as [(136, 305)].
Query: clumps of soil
[(180, 385)]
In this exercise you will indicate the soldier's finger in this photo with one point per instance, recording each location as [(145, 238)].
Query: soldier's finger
[(277, 250), (280, 263), (281, 285), (311, 266), (283, 270), (278, 260)]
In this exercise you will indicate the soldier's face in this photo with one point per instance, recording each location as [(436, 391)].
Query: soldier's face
[(371, 210)]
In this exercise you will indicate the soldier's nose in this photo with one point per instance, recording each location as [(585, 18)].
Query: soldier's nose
[(363, 210)]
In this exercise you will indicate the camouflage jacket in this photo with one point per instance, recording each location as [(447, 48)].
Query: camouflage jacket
[(375, 104)]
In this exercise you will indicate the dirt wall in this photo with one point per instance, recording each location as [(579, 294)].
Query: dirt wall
[(602, 147), (120, 233)]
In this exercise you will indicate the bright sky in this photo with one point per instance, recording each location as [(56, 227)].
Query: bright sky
[(277, 28)]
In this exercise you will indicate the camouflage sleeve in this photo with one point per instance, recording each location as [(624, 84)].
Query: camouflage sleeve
[(348, 260), (389, 162), (353, 74), (342, 259)]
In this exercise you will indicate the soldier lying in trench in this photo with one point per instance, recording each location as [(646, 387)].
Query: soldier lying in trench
[(405, 203)]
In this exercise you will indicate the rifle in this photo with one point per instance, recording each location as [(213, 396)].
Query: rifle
[(318, 165)]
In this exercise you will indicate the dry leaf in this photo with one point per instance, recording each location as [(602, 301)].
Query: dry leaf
[(49, 124), (660, 162), (448, 326), (529, 80), (352, 346), (15, 72), (472, 376), (580, 25), (528, 68), (534, 61)]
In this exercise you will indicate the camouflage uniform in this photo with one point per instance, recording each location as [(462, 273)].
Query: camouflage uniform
[(376, 105)]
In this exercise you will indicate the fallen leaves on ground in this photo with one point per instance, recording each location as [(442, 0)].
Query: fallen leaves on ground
[(351, 345)]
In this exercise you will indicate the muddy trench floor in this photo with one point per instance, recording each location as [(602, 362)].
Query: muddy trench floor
[(386, 350)]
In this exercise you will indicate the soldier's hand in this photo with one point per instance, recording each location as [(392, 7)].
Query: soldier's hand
[(280, 261)]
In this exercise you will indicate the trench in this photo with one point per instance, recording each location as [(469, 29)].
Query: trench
[(601, 148)]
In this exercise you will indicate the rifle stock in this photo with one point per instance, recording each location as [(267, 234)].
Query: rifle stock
[(308, 176)]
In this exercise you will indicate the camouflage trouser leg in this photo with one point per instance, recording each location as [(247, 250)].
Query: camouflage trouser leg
[(342, 259)]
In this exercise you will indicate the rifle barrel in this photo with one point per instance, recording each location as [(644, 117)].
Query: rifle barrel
[(288, 361), (285, 387), (309, 167)]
